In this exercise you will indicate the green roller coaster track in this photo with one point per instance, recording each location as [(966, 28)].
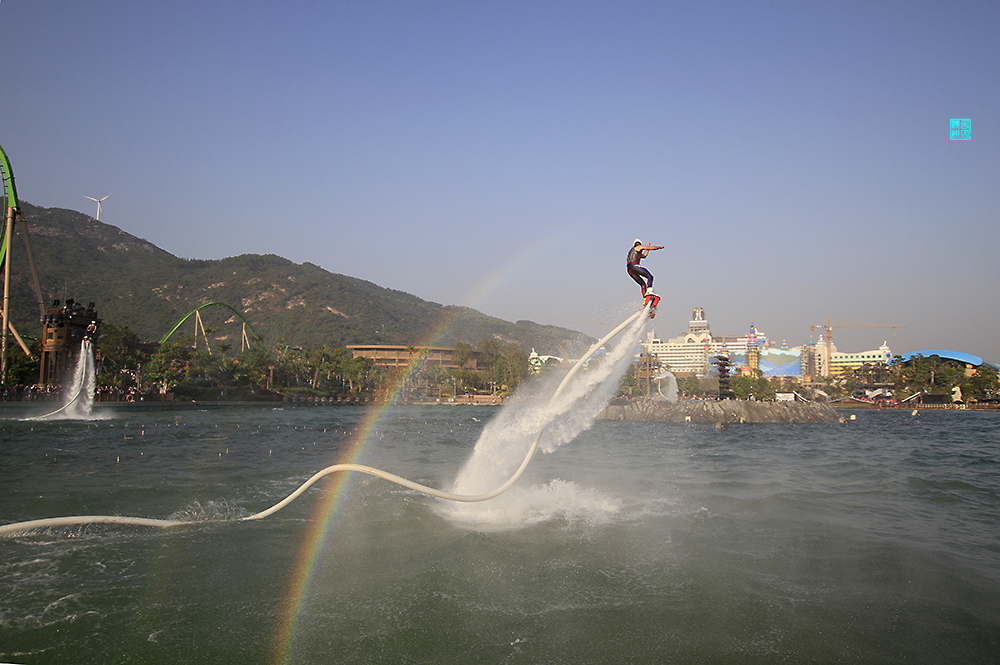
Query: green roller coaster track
[(8, 197), (256, 337), (10, 207)]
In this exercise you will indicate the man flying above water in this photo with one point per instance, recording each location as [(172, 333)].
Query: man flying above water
[(636, 271)]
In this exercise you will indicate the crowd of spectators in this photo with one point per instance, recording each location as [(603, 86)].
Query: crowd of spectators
[(32, 393), (54, 392)]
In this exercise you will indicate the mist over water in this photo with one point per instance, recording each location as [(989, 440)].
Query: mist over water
[(671, 386), (873, 541), (508, 437), (78, 398)]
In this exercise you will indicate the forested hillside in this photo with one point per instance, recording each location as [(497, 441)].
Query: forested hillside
[(134, 283)]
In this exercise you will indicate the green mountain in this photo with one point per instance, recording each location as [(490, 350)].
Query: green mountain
[(134, 283)]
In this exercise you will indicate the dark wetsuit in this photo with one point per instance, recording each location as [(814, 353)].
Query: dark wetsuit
[(637, 272)]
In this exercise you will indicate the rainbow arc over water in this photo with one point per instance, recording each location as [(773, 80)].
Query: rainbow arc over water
[(322, 524)]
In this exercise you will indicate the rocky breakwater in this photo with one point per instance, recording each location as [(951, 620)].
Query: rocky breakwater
[(723, 412)]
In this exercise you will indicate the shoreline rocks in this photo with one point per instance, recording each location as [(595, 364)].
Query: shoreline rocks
[(725, 412)]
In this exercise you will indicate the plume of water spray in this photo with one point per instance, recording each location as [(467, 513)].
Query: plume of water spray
[(507, 437), (78, 402), (671, 394)]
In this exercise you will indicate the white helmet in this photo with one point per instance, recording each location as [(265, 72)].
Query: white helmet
[(637, 242)]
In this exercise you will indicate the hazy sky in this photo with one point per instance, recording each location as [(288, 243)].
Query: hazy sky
[(794, 157)]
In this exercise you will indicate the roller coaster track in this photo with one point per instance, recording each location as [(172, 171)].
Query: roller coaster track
[(11, 211), (196, 310)]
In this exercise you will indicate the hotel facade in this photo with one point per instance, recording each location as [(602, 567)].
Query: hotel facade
[(692, 351)]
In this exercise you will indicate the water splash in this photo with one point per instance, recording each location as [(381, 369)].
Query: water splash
[(671, 394), (558, 499), (507, 438), (78, 402)]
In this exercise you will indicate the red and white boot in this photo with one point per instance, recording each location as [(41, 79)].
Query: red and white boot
[(653, 299)]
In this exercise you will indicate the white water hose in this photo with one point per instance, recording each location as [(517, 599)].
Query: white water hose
[(60, 409), (30, 525)]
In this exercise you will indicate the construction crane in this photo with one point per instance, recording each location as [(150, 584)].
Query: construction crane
[(828, 330)]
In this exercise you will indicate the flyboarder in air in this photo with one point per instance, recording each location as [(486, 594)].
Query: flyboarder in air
[(639, 274)]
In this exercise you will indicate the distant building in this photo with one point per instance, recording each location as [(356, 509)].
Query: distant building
[(391, 356), (841, 363), (691, 352), (753, 350), (536, 362)]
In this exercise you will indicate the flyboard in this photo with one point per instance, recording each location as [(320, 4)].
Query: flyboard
[(30, 525), (651, 300)]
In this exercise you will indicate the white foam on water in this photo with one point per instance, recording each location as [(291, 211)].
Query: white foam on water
[(524, 506), (210, 511)]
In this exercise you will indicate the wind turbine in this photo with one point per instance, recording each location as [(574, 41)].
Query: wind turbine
[(98, 218)]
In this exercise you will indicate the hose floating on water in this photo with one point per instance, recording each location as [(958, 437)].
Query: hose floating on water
[(18, 527)]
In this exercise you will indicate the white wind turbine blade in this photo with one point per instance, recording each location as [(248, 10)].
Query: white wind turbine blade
[(98, 218)]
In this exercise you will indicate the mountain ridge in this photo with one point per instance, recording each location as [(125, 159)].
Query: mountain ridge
[(135, 283)]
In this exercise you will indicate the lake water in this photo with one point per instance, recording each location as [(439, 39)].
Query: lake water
[(876, 541)]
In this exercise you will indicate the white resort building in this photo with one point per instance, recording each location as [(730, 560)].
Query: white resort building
[(692, 351), (844, 362)]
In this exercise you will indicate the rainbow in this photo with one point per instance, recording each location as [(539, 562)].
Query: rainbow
[(326, 513), (321, 528)]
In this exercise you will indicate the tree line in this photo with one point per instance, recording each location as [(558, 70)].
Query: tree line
[(933, 378), (185, 369)]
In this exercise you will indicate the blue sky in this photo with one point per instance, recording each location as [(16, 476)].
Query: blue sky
[(793, 157)]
